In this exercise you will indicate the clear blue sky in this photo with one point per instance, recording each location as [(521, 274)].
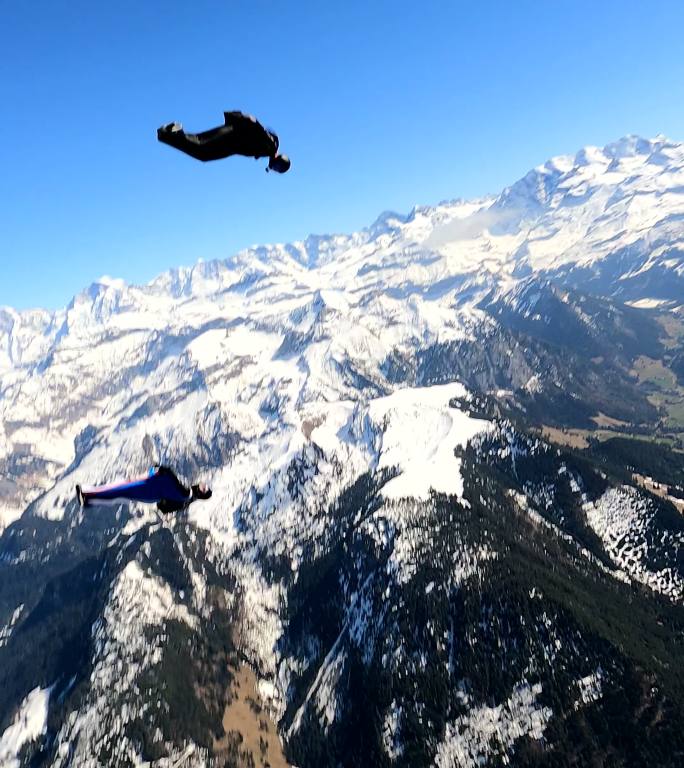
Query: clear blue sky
[(381, 105)]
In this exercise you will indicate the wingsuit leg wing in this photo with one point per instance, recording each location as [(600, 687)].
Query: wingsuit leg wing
[(178, 139), (158, 485), (213, 144)]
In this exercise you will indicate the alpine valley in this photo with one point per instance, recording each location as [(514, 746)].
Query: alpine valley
[(447, 462)]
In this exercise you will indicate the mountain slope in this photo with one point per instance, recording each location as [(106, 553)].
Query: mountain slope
[(412, 574)]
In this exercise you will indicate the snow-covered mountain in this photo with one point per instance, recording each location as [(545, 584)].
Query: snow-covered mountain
[(360, 405), (344, 306)]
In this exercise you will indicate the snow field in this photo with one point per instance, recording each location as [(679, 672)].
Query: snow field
[(29, 723), (487, 731), (621, 518)]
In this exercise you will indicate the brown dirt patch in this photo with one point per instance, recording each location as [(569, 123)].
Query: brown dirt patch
[(659, 489), (308, 426), (575, 438), (249, 730)]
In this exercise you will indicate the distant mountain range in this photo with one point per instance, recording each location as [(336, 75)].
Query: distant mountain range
[(447, 517)]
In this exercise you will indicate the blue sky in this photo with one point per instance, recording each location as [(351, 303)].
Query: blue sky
[(381, 105)]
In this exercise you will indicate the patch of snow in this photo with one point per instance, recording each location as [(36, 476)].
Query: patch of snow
[(589, 689), (492, 731), (648, 303), (419, 435), (533, 384), (326, 697), (391, 731), (6, 631), (622, 518), (29, 723)]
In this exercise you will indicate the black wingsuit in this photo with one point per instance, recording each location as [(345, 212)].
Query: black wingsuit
[(240, 135)]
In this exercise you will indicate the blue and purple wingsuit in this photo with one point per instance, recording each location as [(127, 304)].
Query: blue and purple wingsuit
[(159, 486)]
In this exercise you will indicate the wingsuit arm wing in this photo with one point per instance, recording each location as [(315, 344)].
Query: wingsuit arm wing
[(175, 488), (258, 141), (234, 117), (167, 507)]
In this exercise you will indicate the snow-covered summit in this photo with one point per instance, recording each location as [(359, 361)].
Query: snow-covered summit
[(569, 211)]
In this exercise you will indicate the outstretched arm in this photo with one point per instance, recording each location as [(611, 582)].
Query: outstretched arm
[(235, 117)]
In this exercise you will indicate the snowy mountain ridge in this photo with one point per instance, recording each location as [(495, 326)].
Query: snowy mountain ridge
[(567, 213), (387, 289)]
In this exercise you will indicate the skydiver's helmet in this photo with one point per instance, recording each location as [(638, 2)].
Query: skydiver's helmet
[(279, 163), (201, 491)]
